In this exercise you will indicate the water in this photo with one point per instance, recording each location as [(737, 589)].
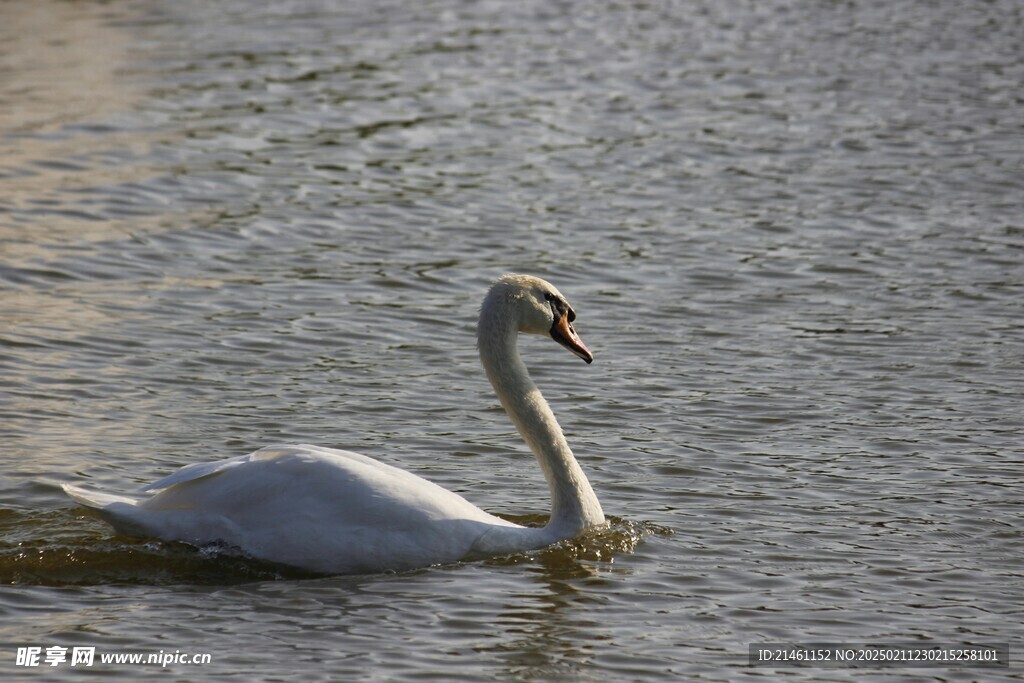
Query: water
[(792, 233)]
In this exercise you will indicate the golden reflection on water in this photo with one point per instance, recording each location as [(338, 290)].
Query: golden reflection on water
[(70, 181), (62, 64), (67, 81)]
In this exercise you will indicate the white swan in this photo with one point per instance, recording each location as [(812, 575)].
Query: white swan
[(333, 511)]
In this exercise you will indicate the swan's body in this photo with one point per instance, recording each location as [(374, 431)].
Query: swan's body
[(333, 511)]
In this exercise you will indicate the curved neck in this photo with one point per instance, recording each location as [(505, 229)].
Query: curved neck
[(574, 506)]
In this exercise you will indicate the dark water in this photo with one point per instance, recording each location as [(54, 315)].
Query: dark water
[(792, 232)]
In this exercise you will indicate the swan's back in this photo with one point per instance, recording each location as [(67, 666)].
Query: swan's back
[(318, 508)]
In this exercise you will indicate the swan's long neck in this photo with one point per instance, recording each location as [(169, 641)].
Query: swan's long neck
[(574, 506)]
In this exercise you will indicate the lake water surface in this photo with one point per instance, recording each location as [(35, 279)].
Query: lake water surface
[(793, 234)]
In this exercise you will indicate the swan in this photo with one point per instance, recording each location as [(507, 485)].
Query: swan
[(336, 512)]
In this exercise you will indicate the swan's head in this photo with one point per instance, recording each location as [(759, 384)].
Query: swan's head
[(537, 308)]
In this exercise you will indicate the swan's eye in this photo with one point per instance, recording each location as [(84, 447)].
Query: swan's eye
[(560, 306)]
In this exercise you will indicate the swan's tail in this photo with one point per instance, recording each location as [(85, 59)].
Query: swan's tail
[(121, 512), (93, 499)]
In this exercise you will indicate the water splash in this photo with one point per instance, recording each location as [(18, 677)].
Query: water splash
[(586, 553)]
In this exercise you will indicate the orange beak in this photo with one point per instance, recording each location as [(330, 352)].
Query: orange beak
[(562, 332)]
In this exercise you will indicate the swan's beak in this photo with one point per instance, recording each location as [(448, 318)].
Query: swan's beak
[(563, 333)]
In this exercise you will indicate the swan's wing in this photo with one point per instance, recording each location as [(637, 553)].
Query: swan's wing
[(126, 512), (205, 469), (312, 507), (322, 484)]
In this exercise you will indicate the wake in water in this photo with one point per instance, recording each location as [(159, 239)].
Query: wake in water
[(56, 549)]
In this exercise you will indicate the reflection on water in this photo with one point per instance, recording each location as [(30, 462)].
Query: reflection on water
[(64, 68), (66, 88), (792, 236)]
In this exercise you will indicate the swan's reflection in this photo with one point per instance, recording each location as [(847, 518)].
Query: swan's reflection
[(545, 634)]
